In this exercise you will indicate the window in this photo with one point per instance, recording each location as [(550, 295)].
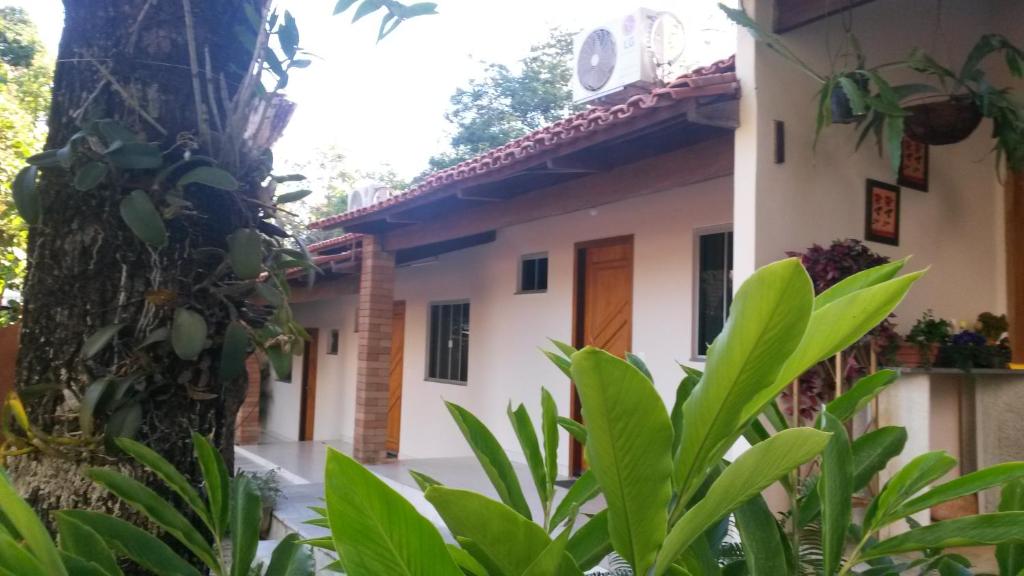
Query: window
[(448, 353), (332, 344), (533, 274), (714, 285)]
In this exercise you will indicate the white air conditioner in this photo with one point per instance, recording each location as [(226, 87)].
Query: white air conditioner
[(367, 193), (613, 62)]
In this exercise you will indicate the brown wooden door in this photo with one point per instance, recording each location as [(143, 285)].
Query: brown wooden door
[(307, 408), (395, 378), (604, 307)]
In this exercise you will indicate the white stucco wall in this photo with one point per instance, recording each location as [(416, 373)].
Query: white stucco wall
[(956, 227), (280, 415), (507, 330)]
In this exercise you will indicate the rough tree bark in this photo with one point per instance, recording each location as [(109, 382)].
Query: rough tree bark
[(124, 60)]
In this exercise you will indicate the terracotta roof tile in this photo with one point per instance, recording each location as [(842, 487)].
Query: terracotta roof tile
[(333, 242), (716, 79)]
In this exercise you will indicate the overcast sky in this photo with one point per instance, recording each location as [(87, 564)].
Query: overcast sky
[(384, 104)]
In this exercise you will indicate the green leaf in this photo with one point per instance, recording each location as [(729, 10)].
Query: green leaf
[(522, 424), (288, 35), (590, 544), (145, 500), (835, 490), (683, 391), (142, 547), (280, 359), (292, 196), (638, 363), (26, 197), (763, 550), (136, 156), (215, 478), (375, 529), (423, 481), (366, 8), (967, 484), (768, 317), (90, 401), (469, 565), (291, 558), (79, 540), (209, 176), (90, 175), (99, 339), (142, 217), (564, 348), (245, 252), (1011, 555), (978, 530), (854, 94), (629, 449), (552, 559), (905, 483), (188, 334), (859, 281), (44, 159), (747, 476), (419, 9), (583, 490), (233, 351), (492, 458), (16, 560), (549, 430), (30, 529), (170, 475), (246, 510), (124, 422), (857, 397), (574, 428), (561, 362)]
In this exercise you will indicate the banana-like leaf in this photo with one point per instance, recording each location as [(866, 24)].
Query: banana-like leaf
[(859, 281), (590, 544), (978, 530), (904, 484), (1011, 555), (835, 489), (574, 428), (767, 321), (423, 481), (683, 391), (492, 458), (31, 531), (145, 500), (583, 490), (376, 530), (216, 479), (764, 553), (166, 471), (858, 396), (246, 509), (549, 431), (747, 476), (638, 363), (629, 449), (522, 424), (561, 362), (79, 540), (469, 565), (552, 559), (971, 483), (140, 546)]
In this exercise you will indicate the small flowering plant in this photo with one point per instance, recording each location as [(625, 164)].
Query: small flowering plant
[(984, 345)]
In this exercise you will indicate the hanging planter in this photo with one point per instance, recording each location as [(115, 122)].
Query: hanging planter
[(842, 109), (944, 121)]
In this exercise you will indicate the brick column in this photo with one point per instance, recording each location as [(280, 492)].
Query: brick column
[(376, 301), (247, 423)]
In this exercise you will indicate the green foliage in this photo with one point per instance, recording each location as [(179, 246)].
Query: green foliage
[(506, 103)]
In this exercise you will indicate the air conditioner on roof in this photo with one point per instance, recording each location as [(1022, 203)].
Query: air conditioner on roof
[(614, 62), (367, 193)]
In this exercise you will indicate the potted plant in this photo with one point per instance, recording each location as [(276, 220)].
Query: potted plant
[(922, 343), (984, 345), (269, 487)]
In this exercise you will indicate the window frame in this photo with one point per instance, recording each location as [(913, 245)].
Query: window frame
[(695, 265), (426, 356), (333, 342), (519, 272)]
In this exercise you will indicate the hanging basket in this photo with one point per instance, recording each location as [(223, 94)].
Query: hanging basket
[(942, 122), (842, 111)]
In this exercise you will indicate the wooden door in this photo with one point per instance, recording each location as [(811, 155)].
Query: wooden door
[(307, 408), (604, 308), (395, 378)]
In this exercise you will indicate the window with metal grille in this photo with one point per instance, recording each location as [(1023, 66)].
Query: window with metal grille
[(332, 344), (714, 286), (533, 274), (448, 352)]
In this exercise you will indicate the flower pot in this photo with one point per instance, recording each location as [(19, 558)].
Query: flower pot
[(912, 356), (265, 520), (842, 112), (942, 122)]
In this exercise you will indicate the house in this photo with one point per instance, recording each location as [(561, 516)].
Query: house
[(627, 227)]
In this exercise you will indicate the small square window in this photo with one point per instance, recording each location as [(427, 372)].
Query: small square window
[(332, 344), (533, 274)]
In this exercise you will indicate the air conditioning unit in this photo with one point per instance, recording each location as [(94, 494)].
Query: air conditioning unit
[(614, 62), (367, 193)]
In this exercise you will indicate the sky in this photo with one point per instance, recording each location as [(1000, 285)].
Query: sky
[(383, 104)]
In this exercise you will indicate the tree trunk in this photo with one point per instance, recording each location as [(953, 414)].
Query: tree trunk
[(129, 60)]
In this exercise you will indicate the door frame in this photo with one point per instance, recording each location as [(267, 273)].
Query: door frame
[(307, 394), (399, 308), (578, 302)]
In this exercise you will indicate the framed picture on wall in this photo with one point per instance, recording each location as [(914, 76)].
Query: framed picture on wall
[(882, 213), (913, 165)]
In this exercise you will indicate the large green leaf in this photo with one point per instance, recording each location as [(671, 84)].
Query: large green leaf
[(170, 475), (145, 500), (245, 252), (209, 176), (233, 351), (188, 333), (1011, 555), (291, 558), (246, 509), (142, 547), (552, 559), (376, 530), (590, 544), (31, 531), (549, 431), (747, 476), (835, 490), (978, 530), (492, 458), (768, 317), (89, 176), (683, 391), (80, 540), (522, 424), (142, 217), (964, 485), (629, 449), (16, 560), (905, 483), (858, 396), (26, 197), (764, 553), (574, 428), (859, 281), (135, 156), (216, 481), (584, 489)]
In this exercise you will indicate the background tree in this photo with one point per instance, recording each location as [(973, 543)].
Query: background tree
[(25, 76), (504, 104)]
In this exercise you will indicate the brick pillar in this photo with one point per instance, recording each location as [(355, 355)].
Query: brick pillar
[(247, 423), (376, 302)]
